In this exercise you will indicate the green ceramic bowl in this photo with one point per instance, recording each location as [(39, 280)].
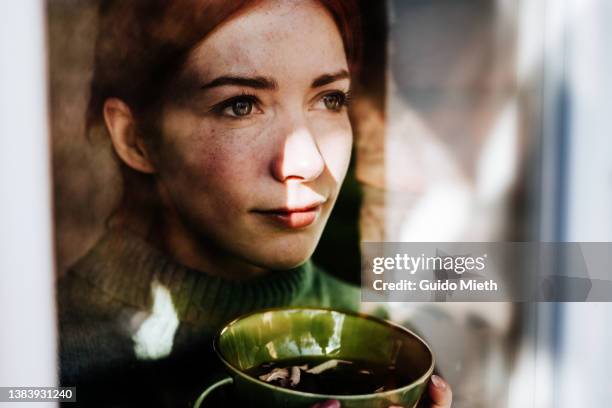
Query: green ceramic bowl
[(282, 334)]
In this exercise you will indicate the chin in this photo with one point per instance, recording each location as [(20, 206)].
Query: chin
[(289, 261), (284, 258), (283, 252)]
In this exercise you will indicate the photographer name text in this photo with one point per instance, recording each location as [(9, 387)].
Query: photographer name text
[(435, 285)]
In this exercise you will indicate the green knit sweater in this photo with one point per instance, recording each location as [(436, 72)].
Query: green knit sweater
[(136, 327)]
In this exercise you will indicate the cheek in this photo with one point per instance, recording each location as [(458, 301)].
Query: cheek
[(335, 143), (206, 161)]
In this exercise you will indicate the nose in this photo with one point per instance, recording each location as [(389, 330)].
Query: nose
[(299, 156)]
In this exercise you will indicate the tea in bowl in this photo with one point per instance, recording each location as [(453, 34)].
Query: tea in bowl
[(297, 357)]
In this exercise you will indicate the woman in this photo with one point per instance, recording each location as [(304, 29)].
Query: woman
[(229, 121)]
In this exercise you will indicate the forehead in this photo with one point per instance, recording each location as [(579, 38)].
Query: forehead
[(274, 38)]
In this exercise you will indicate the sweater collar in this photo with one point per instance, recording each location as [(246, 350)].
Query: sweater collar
[(125, 267)]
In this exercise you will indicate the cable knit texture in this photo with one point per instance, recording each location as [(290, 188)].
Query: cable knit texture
[(136, 327)]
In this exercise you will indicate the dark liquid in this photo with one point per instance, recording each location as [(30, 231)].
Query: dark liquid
[(358, 377)]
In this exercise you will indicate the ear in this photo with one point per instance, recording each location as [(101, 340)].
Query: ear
[(128, 144)]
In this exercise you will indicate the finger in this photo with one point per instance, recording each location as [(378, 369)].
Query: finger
[(440, 393), (327, 404)]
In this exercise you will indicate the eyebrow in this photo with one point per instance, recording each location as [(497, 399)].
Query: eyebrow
[(326, 79), (257, 82), (260, 82)]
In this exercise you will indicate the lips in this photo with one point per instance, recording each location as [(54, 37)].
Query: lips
[(293, 217)]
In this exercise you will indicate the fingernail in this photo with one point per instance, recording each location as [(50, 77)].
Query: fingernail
[(438, 382), (329, 404)]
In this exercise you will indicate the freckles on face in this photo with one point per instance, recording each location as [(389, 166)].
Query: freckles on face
[(210, 160)]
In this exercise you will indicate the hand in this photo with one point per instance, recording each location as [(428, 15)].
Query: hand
[(439, 391)]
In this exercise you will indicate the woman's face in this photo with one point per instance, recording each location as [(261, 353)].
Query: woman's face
[(256, 139)]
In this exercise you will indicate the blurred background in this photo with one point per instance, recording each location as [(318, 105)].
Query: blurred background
[(475, 120)]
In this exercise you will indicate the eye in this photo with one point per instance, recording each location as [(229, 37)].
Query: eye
[(237, 107), (335, 101), (241, 107)]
